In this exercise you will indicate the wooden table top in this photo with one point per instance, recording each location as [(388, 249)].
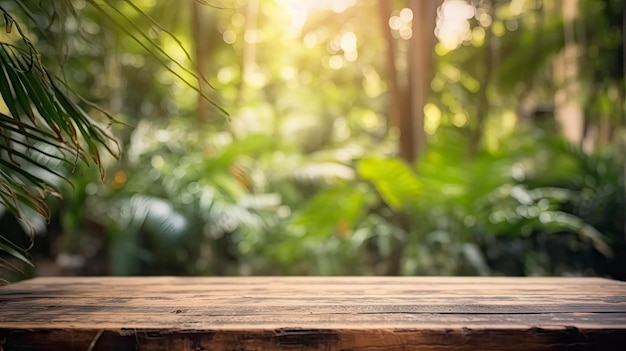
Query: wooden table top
[(312, 313)]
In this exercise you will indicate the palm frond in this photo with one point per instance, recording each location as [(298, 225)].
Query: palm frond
[(40, 114), (45, 130), (130, 28)]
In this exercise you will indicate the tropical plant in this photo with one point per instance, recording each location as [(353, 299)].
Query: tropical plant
[(47, 125), (43, 113), (459, 207)]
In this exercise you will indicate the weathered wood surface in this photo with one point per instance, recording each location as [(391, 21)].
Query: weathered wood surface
[(313, 313)]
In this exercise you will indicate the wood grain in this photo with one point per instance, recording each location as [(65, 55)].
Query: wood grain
[(313, 313)]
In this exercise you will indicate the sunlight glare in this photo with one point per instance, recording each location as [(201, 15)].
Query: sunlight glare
[(516, 7), (310, 40), (432, 118), (288, 73), (406, 33), (459, 120), (299, 10), (483, 17), (251, 36), (373, 86), (395, 22), (370, 120), (255, 77), (335, 62), (406, 14), (238, 20), (229, 36), (401, 24), (225, 75), (453, 25), (351, 56), (478, 36), (348, 42)]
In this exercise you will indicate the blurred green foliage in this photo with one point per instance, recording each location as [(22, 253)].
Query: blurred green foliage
[(304, 177)]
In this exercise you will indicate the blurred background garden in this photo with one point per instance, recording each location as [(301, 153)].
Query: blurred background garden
[(314, 137)]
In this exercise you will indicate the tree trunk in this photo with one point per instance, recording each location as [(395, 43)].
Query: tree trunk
[(406, 111), (482, 100), (420, 66), (408, 98), (397, 109)]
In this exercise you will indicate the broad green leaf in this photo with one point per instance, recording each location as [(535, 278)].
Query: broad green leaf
[(396, 182), (332, 210)]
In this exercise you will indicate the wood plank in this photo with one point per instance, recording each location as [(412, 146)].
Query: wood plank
[(154, 287), (316, 313)]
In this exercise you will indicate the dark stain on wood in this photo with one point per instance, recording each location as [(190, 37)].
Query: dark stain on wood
[(305, 338), (321, 339)]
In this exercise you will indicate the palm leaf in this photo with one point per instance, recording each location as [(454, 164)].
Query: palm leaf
[(45, 126), (13, 250), (153, 48)]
